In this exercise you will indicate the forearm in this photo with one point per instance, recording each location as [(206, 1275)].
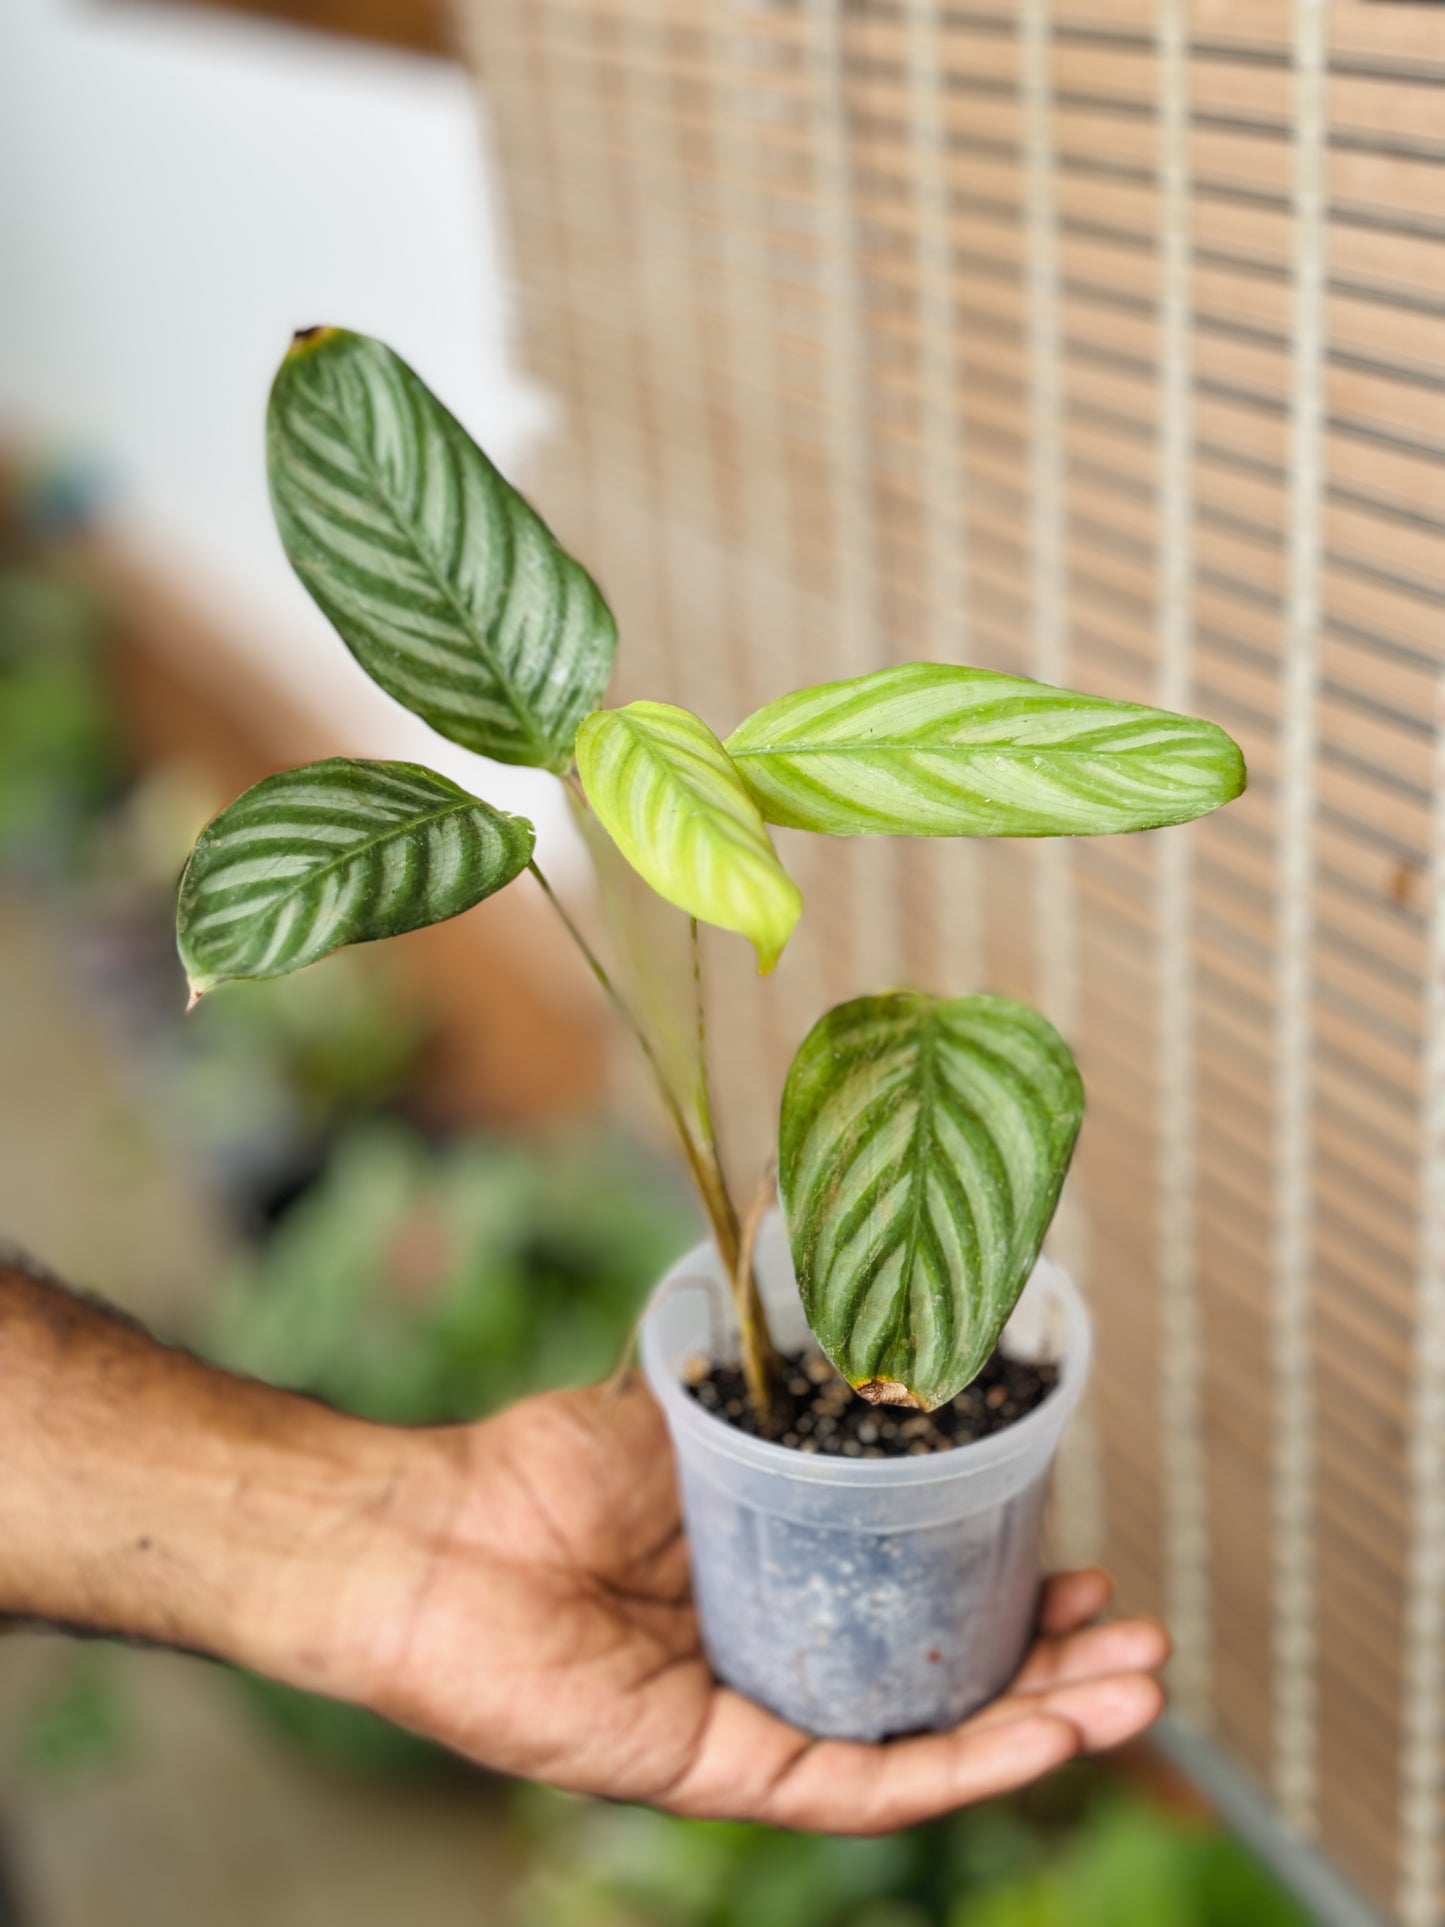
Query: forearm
[(144, 1493)]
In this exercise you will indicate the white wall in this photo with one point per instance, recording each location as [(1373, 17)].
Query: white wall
[(178, 193)]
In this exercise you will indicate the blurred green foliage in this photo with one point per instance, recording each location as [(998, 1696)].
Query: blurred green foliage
[(346, 1739), (1130, 1866), (264, 1077), (1078, 1852), (343, 1043), (78, 1723), (60, 752), (418, 1284)]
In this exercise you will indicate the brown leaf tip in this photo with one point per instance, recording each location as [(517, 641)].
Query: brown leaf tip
[(888, 1391), (305, 338)]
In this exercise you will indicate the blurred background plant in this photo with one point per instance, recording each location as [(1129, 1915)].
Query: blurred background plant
[(251, 1089), (1081, 1851), (423, 1283), (61, 753), (77, 1723)]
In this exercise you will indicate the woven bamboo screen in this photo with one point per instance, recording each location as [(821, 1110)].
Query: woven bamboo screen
[(1101, 342)]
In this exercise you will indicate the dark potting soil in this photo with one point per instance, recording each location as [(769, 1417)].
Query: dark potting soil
[(817, 1411)]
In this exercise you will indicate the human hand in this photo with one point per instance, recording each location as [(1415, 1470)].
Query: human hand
[(517, 1589), (546, 1628)]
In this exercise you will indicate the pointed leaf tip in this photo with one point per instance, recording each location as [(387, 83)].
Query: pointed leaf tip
[(888, 1391), (305, 338)]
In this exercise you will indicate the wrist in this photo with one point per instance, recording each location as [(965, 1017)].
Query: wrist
[(149, 1495), (332, 1554)]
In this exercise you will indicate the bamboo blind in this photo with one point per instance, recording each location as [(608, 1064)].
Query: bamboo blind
[(1098, 341)]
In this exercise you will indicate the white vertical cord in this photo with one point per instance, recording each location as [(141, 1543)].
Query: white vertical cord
[(945, 507), (773, 605), (957, 871), (766, 496), (504, 52), (1186, 1515), (1296, 1689), (706, 644), (1422, 1714), (843, 347), (1054, 909), (687, 511), (879, 955), (1080, 1517), (613, 438)]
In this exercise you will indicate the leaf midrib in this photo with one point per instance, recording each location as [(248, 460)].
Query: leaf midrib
[(919, 1153), (369, 843), (464, 616), (757, 843), (863, 749)]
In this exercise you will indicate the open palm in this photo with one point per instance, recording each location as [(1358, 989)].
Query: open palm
[(552, 1634)]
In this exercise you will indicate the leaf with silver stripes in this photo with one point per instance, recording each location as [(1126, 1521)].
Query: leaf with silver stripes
[(334, 853), (932, 749), (667, 794), (445, 585), (924, 1143)]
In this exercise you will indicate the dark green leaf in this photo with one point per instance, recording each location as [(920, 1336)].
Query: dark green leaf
[(333, 853), (446, 586), (923, 1146)]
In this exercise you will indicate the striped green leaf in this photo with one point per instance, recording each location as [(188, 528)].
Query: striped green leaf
[(924, 1143), (445, 585), (667, 794), (334, 853), (930, 749)]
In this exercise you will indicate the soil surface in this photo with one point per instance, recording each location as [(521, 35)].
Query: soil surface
[(817, 1411)]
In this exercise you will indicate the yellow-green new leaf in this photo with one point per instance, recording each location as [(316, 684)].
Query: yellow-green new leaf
[(667, 794), (333, 853), (923, 1146), (931, 749), (446, 586)]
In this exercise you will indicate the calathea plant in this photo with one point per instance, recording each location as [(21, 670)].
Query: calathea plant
[(924, 1140)]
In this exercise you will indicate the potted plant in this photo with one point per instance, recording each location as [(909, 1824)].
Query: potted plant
[(864, 1530)]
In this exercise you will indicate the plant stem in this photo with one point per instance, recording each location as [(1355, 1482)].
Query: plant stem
[(703, 1090), (761, 1366), (702, 1160)]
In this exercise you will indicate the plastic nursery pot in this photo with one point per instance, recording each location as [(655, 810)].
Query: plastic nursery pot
[(859, 1597)]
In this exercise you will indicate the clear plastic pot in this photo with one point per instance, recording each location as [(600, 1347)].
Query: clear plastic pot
[(859, 1597)]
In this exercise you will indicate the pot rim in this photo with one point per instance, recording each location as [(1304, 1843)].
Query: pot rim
[(1034, 1435)]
